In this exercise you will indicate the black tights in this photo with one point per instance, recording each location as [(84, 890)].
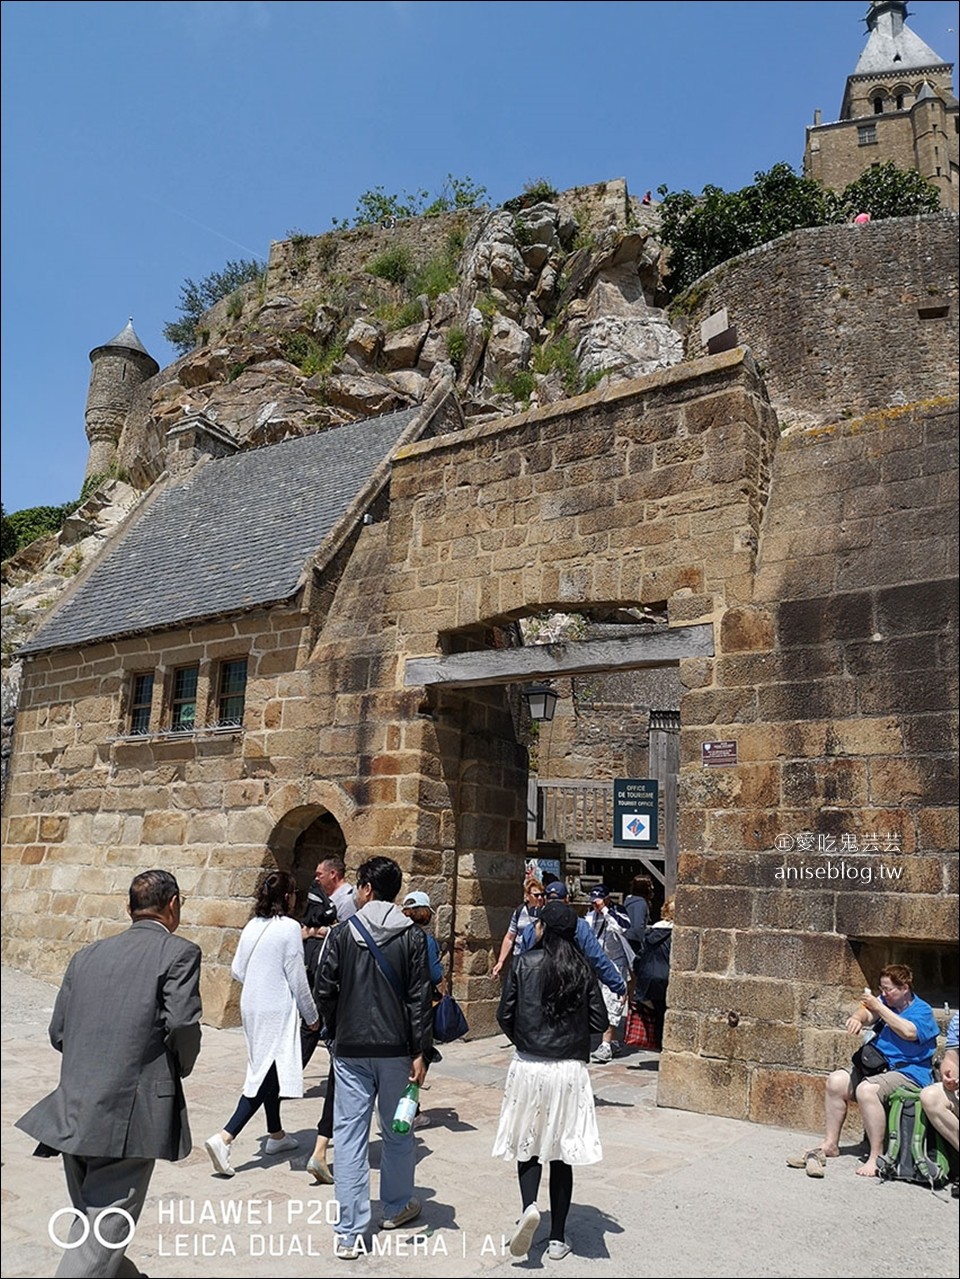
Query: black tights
[(561, 1190), (268, 1097)]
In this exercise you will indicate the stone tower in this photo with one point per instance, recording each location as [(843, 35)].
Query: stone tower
[(120, 366), (898, 105)]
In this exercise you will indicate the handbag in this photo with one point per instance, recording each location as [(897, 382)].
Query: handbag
[(869, 1060), (449, 1022), (639, 1031)]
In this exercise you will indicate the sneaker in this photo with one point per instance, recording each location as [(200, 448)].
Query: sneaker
[(421, 1121), (557, 1249), (410, 1212), (219, 1153), (277, 1145), (603, 1053), (615, 1048), (349, 1251), (526, 1229)]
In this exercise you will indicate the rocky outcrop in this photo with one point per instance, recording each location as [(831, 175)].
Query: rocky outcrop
[(529, 303)]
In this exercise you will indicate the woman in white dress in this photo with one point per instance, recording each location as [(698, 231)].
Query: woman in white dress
[(551, 1004), (269, 963)]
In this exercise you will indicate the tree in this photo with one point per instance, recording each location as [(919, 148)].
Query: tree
[(703, 231), (198, 296), (885, 191)]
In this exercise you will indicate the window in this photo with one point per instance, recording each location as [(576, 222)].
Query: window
[(184, 699), (141, 703), (878, 105), (233, 684), (867, 135)]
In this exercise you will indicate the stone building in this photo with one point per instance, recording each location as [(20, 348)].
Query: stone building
[(898, 105)]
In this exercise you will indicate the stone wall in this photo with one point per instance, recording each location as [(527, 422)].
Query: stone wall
[(618, 498), (87, 808), (831, 848), (825, 562), (841, 319)]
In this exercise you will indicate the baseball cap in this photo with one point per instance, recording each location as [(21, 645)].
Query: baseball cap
[(600, 890), (557, 890), (416, 899)]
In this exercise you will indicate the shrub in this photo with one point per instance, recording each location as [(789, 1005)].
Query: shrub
[(456, 347), (559, 354), (393, 264), (309, 356), (235, 305), (377, 206), (435, 276)]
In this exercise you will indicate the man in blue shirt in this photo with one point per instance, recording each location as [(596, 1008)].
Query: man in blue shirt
[(606, 972), (907, 1038)]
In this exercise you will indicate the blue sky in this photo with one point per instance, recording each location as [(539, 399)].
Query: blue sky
[(147, 142)]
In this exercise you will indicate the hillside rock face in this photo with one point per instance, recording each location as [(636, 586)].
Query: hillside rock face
[(360, 322), (526, 304)]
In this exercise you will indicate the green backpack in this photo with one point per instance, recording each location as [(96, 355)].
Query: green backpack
[(914, 1150)]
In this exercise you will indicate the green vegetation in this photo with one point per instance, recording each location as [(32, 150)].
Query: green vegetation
[(310, 356), (436, 276), (456, 346), (703, 231), (885, 191), (393, 264), (520, 385), (560, 355), (379, 207), (593, 378), (534, 191), (235, 305), (198, 296), (393, 316)]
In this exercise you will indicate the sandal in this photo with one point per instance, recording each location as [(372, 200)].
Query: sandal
[(812, 1162)]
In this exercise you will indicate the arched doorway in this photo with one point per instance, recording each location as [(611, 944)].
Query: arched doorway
[(302, 838)]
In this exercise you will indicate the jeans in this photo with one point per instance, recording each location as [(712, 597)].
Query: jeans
[(361, 1081)]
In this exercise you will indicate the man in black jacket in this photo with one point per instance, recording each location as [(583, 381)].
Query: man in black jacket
[(381, 1021)]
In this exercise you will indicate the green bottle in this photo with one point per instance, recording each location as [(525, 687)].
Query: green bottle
[(406, 1108)]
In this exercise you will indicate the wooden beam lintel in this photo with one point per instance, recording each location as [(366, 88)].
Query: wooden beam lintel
[(546, 661)]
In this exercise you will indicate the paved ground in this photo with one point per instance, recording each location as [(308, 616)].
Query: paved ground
[(676, 1195)]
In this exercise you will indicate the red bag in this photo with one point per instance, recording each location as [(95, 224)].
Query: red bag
[(639, 1031)]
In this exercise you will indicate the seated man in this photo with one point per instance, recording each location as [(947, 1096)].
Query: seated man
[(907, 1038), (939, 1101)]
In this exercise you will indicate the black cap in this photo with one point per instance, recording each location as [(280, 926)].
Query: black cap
[(559, 917)]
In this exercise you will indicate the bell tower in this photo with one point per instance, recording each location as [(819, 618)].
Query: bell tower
[(897, 105)]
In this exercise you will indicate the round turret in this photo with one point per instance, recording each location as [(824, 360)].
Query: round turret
[(120, 367)]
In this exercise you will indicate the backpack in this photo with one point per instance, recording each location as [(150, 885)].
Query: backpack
[(914, 1150)]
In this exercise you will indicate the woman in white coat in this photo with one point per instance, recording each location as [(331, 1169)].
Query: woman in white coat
[(269, 962)]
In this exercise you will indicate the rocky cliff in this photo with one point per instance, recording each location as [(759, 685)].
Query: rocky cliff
[(527, 304)]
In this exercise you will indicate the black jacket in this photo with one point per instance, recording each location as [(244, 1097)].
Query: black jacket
[(652, 969), (360, 1007), (522, 1019)]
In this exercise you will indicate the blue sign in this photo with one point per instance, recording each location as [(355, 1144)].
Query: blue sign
[(635, 812)]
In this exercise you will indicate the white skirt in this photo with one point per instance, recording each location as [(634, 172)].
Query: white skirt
[(548, 1111)]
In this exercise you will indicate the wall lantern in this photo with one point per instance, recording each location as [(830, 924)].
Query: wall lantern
[(542, 701)]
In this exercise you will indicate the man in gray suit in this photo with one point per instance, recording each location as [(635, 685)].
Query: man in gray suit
[(127, 1021)]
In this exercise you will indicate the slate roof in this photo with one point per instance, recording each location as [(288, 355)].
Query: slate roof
[(234, 534), (126, 338), (892, 47)]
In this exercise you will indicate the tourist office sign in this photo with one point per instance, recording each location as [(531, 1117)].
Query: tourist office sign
[(635, 812)]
